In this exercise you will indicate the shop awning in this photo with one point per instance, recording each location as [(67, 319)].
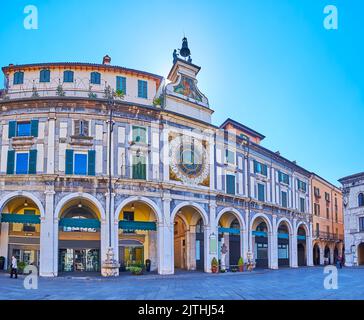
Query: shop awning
[(137, 225), (229, 230), (79, 223), (259, 233), (20, 218), (283, 235)]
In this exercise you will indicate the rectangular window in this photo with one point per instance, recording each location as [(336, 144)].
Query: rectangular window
[(95, 78), (317, 229), (260, 168), (301, 185), (23, 129), (261, 192), (283, 178), (361, 224), (80, 164), (128, 216), (316, 191), (44, 76), (327, 213), (302, 205), (139, 167), (81, 128), (142, 89), (67, 76), (230, 157), (29, 227), (121, 84), (327, 196), (22, 163), (18, 77), (230, 184), (316, 209), (139, 134), (284, 199)]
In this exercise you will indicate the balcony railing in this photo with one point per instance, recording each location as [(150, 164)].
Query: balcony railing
[(329, 235)]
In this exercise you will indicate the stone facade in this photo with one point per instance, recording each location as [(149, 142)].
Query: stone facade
[(219, 186), (353, 199)]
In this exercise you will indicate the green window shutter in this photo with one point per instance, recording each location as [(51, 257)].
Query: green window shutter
[(230, 184), (69, 161), (11, 162), (91, 162), (255, 166), (34, 124), (264, 169), (32, 162), (12, 129)]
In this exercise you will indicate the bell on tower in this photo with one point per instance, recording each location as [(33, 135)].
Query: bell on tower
[(183, 52)]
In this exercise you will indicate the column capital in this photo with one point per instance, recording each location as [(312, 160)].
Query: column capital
[(49, 192)]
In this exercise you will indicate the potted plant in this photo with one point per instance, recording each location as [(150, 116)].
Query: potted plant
[(214, 265), (241, 264), (135, 270), (21, 267)]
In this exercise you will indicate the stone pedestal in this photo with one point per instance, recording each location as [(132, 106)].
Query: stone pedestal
[(110, 267)]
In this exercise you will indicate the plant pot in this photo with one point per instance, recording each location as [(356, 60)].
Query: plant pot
[(241, 268), (214, 269)]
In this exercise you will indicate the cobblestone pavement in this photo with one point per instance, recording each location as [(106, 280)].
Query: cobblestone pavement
[(301, 283)]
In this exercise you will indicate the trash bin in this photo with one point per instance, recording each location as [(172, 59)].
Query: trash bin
[(2, 263), (147, 265)]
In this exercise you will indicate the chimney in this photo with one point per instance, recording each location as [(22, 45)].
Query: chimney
[(277, 152), (106, 60)]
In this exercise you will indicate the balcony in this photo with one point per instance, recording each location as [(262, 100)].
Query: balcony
[(329, 236)]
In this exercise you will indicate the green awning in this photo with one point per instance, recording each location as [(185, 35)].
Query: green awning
[(79, 223), (137, 225), (20, 218)]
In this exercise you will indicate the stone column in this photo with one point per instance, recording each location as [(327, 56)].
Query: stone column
[(48, 238), (227, 243), (273, 245), (211, 232), (309, 246), (153, 254), (322, 254), (191, 248), (294, 253), (4, 242), (166, 240)]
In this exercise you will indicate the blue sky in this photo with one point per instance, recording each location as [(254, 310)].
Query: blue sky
[(269, 64)]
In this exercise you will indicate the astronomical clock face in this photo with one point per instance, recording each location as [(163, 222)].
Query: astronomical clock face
[(188, 160)]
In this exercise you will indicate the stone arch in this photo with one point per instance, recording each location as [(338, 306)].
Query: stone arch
[(79, 195), (194, 205), (24, 194), (305, 226), (265, 218), (145, 200), (289, 224), (235, 212)]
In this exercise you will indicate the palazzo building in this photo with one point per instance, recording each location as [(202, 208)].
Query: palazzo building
[(353, 198), (328, 221), (97, 156)]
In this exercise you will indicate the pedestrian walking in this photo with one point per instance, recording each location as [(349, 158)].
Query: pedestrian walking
[(14, 267)]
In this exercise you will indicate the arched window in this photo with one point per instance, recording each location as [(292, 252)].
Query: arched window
[(44, 75), (361, 200), (18, 77), (67, 76), (95, 78)]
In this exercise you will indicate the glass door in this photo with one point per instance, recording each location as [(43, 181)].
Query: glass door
[(80, 260)]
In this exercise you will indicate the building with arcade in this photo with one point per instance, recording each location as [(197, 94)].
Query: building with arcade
[(98, 156)]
